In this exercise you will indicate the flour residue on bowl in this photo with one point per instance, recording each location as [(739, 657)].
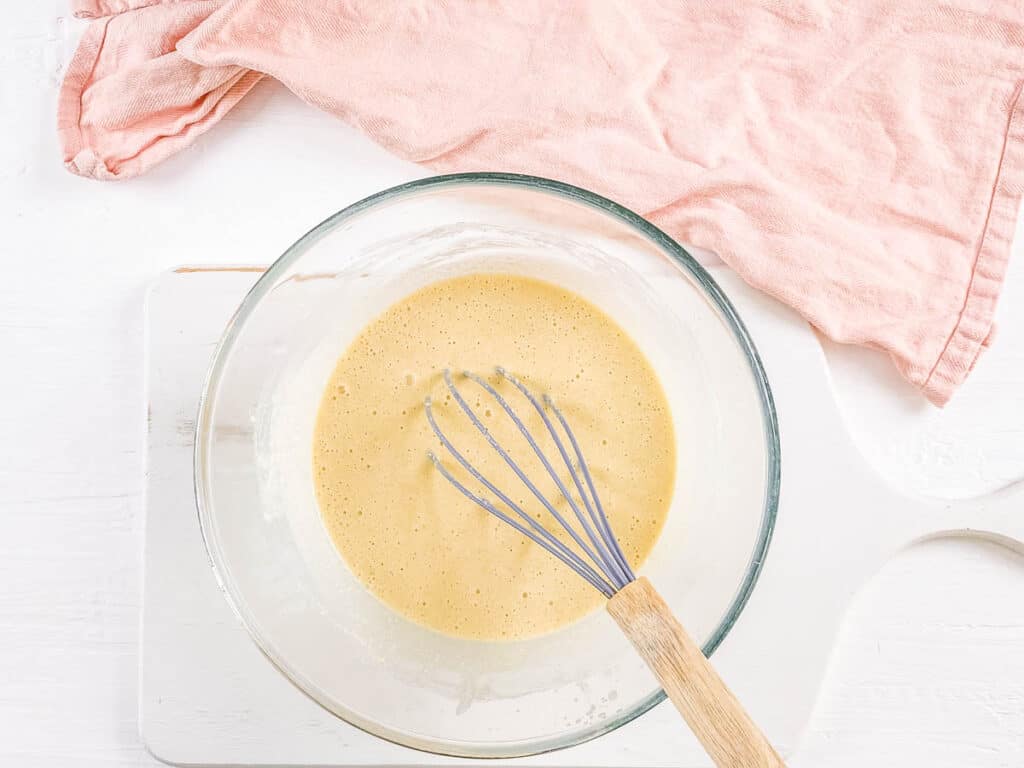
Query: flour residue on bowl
[(412, 539)]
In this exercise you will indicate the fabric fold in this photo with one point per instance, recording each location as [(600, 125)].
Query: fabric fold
[(974, 329), (94, 9), (130, 99)]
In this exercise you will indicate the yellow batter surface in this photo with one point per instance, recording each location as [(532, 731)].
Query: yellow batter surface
[(410, 537)]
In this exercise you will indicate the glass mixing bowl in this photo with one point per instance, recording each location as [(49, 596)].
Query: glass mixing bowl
[(253, 463)]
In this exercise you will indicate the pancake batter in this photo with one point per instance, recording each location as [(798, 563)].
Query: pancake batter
[(411, 538)]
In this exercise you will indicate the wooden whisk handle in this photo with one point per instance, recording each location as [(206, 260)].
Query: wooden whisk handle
[(714, 715)]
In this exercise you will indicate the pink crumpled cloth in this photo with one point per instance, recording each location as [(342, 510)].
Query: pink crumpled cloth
[(861, 160)]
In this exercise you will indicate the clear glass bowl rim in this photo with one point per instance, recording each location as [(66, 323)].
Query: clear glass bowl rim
[(521, 748)]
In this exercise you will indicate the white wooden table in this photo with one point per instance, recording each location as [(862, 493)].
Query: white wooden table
[(929, 669)]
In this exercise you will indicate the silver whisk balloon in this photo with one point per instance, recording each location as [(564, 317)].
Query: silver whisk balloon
[(717, 719)]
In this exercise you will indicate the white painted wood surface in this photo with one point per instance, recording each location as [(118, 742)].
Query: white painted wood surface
[(929, 668)]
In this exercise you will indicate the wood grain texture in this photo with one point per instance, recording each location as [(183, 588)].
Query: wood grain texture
[(711, 710), (928, 671)]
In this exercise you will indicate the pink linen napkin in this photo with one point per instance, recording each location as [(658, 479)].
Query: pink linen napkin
[(861, 160)]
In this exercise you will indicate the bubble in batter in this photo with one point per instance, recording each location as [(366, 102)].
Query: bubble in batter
[(411, 538)]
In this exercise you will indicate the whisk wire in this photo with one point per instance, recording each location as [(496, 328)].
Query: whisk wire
[(602, 517), (577, 565), (540, 535), (598, 554), (612, 571), (601, 544), (512, 464)]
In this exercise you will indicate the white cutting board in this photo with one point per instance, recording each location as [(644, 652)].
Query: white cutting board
[(208, 697)]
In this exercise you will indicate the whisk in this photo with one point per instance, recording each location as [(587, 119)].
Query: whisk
[(720, 723)]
